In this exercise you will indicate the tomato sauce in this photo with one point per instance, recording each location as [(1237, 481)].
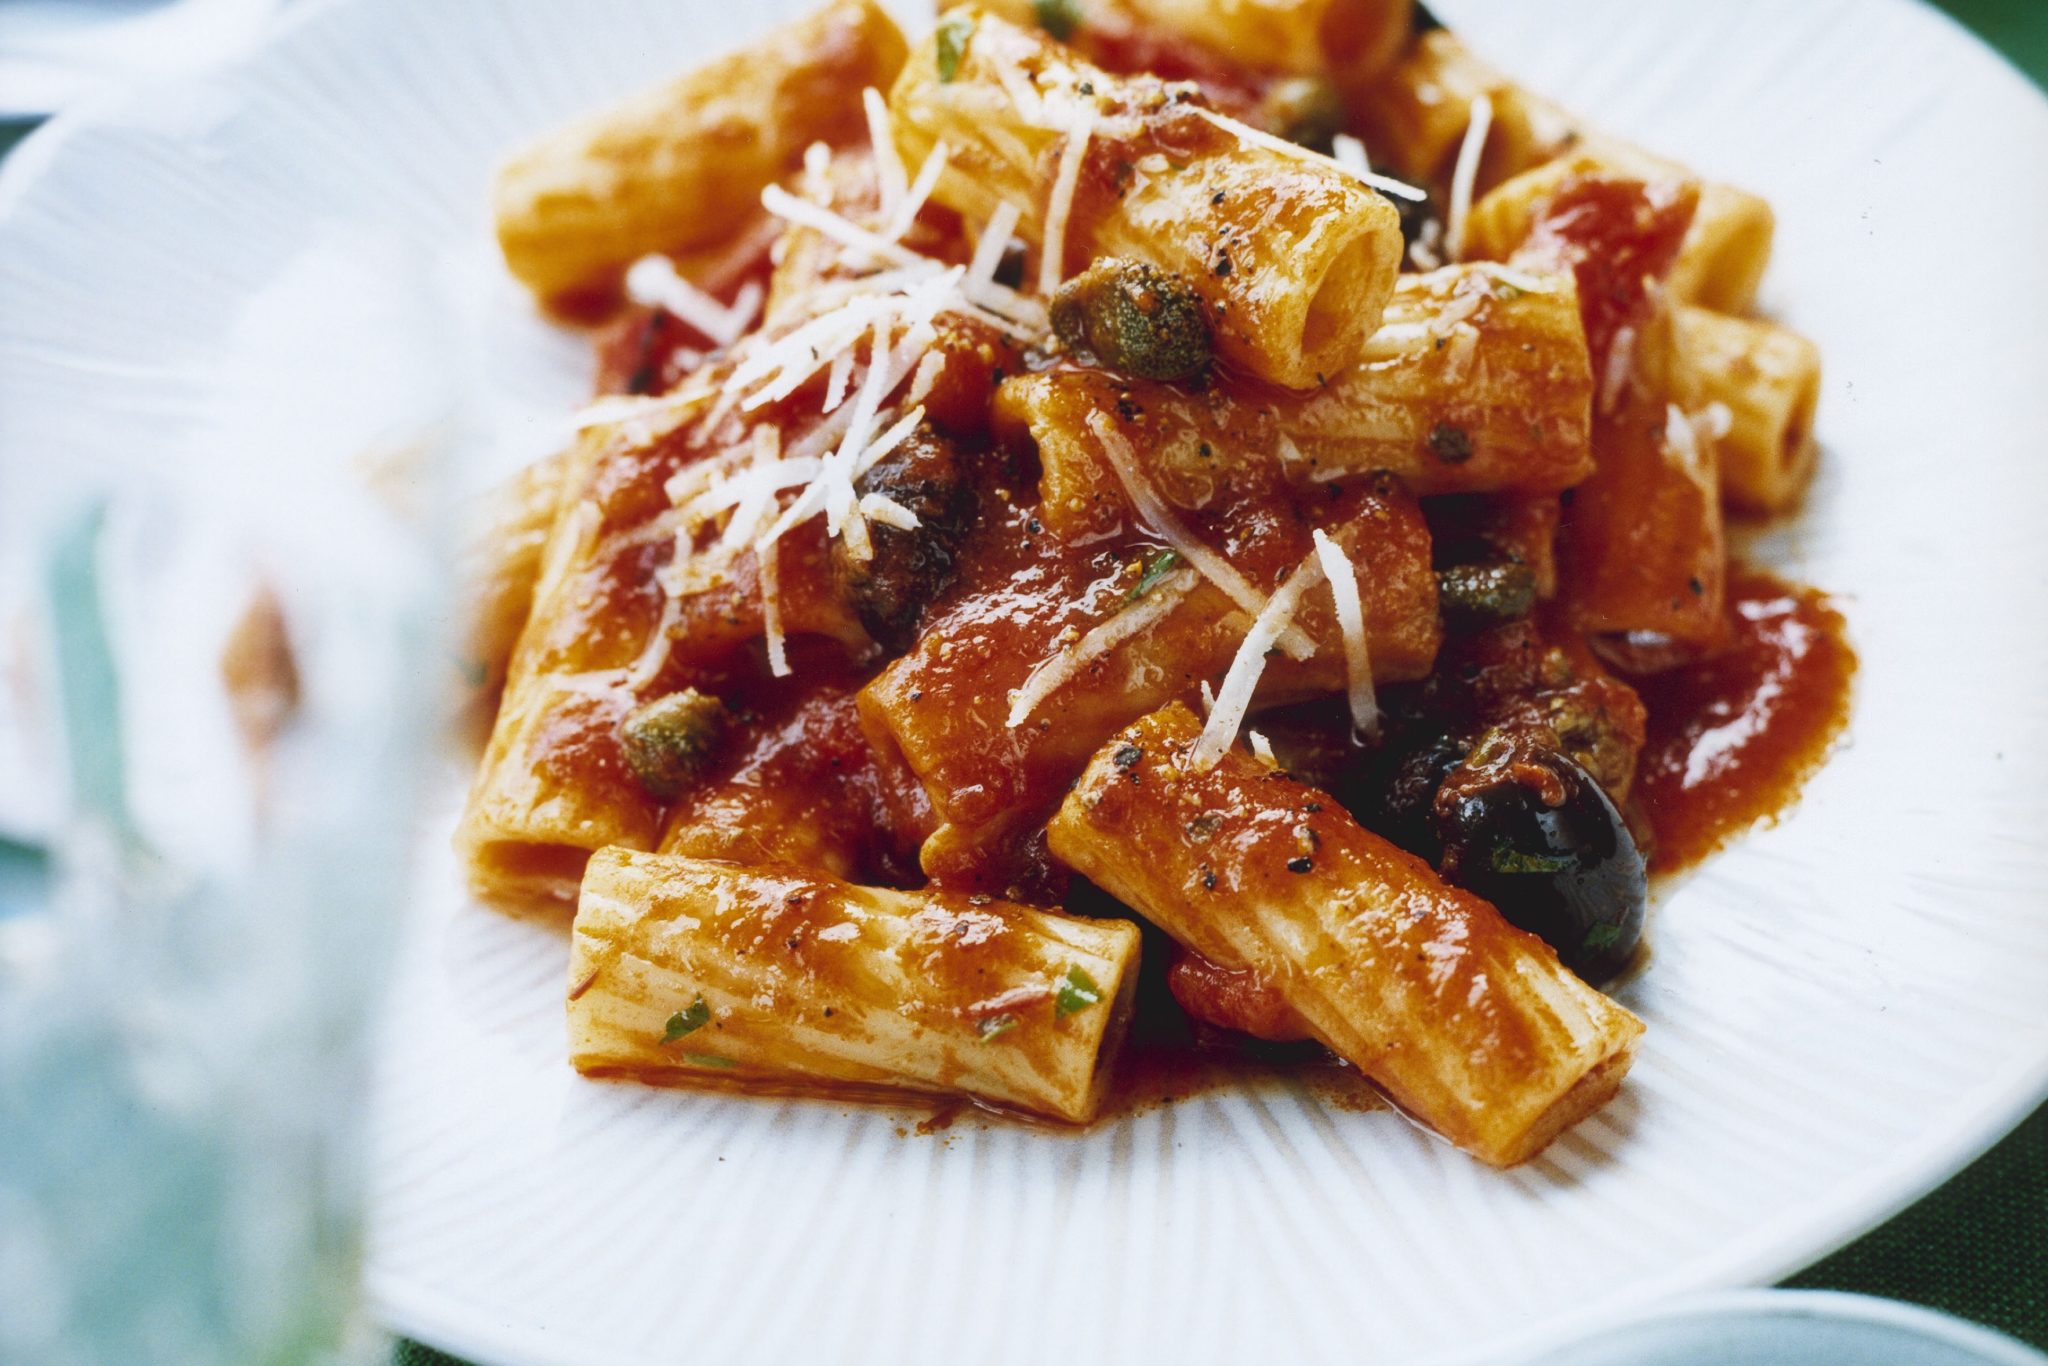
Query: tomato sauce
[(1732, 739)]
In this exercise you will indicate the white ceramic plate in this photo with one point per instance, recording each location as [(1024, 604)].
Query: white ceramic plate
[(261, 266)]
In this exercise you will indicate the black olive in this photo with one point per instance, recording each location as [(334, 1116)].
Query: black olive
[(1396, 798), (909, 568), (1543, 843)]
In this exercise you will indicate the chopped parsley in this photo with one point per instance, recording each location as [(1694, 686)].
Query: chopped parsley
[(1057, 17), (1601, 937), (952, 36), (996, 1025), (687, 1021), (1506, 860), (1077, 992), (1161, 565)]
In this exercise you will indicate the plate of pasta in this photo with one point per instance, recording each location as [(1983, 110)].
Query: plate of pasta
[(1154, 676)]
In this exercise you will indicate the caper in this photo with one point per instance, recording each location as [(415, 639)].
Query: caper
[(1135, 318), (668, 741), (1484, 593)]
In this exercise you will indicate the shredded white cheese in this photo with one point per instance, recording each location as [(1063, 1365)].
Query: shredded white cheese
[(1686, 450), (920, 191), (840, 229), (1348, 152), (840, 376), (1520, 279), (1161, 521), (1060, 205), (765, 557), (882, 134), (1234, 698), (1261, 746), (1621, 354), (988, 252), (1465, 174), (1400, 189), (880, 507), (1054, 674), (1343, 576), (655, 281)]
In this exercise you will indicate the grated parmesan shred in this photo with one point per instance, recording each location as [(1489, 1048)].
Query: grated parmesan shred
[(655, 282), (1055, 673), (1465, 174), (1060, 204), (1241, 681), (882, 135), (1400, 189), (1350, 608), (1621, 353), (920, 191), (1161, 521)]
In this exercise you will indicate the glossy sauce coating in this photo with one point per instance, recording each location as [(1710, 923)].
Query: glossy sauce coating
[(1732, 739)]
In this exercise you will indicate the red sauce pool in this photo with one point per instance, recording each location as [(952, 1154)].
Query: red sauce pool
[(1732, 739)]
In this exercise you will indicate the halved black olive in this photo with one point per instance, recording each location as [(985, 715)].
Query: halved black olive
[(1540, 839)]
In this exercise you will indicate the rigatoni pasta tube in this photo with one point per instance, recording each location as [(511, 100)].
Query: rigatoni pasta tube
[(687, 968), (683, 166), (1768, 378), (1293, 257), (1347, 41), (1641, 547), (501, 566), (1478, 381), (1469, 1024), (1034, 660), (1416, 114), (554, 783)]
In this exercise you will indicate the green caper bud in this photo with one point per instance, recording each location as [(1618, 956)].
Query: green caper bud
[(1135, 318), (669, 741), (1303, 109), (1484, 593)]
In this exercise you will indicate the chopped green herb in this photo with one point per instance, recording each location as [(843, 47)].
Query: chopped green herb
[(1161, 565), (711, 1060), (1506, 860), (1077, 992), (687, 1021), (1601, 937), (1057, 17), (996, 1025), (953, 32)]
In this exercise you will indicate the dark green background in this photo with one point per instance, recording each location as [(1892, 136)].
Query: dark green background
[(1978, 1246)]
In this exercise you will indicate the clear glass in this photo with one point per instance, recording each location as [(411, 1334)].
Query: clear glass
[(190, 967)]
